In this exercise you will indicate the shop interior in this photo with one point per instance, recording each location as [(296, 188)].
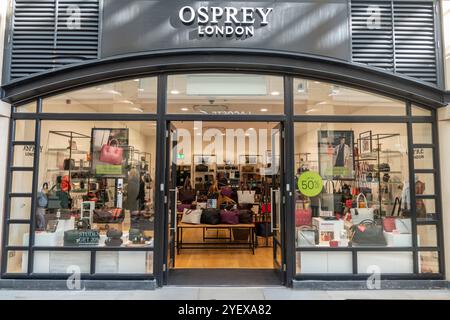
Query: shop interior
[(225, 166)]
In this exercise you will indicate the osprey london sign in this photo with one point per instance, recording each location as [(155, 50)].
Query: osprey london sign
[(225, 22)]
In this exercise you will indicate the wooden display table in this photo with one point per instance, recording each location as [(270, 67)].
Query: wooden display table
[(250, 244)]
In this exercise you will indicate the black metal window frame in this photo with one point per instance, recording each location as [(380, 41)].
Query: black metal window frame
[(163, 118)]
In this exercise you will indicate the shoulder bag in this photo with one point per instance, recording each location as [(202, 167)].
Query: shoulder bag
[(229, 216), (361, 214), (307, 236), (246, 196), (210, 216), (368, 233), (191, 216)]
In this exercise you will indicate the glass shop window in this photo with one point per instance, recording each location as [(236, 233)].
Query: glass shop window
[(225, 94), (27, 108), (96, 186), (321, 98), (130, 96), (352, 190)]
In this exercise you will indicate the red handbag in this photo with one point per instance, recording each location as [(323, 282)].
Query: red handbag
[(389, 224), (303, 217), (111, 153), (65, 184), (266, 208)]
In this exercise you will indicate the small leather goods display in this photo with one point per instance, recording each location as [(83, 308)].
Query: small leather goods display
[(246, 196), (81, 237), (361, 214), (245, 216), (210, 216), (229, 216), (368, 233), (111, 153), (69, 164), (191, 216), (303, 217), (115, 215), (307, 236)]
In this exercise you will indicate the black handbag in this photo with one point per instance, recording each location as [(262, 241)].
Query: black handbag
[(368, 233), (245, 216), (69, 164), (210, 216), (384, 167), (186, 196)]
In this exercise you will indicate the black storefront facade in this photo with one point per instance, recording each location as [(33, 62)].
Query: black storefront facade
[(371, 47)]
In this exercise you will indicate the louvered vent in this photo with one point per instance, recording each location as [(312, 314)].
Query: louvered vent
[(48, 34), (372, 45), (396, 35), (415, 45)]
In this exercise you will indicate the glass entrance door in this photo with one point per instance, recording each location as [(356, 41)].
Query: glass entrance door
[(171, 199), (277, 206)]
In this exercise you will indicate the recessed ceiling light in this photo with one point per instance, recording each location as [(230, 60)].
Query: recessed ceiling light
[(195, 128), (137, 109), (184, 109), (127, 101), (275, 93), (136, 80), (174, 91), (141, 89), (264, 110), (199, 134)]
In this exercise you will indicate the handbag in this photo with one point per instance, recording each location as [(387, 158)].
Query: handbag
[(69, 164), (191, 216), (229, 216), (181, 207), (368, 233), (226, 191), (303, 217), (246, 196), (307, 236), (384, 167), (210, 216), (361, 214), (248, 168), (186, 196), (245, 216), (327, 197), (266, 208), (116, 215), (389, 222), (111, 153), (403, 225)]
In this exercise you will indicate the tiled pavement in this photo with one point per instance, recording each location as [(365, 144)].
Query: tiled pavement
[(215, 293)]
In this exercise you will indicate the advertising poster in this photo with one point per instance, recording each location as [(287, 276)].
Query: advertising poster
[(336, 156), (109, 152)]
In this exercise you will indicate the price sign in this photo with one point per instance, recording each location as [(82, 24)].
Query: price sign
[(310, 184)]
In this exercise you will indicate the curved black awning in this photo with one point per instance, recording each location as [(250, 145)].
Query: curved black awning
[(224, 60)]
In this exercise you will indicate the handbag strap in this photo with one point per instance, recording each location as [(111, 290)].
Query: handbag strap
[(396, 202), (365, 199), (327, 186)]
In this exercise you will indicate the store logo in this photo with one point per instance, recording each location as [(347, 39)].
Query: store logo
[(74, 280), (225, 22), (374, 280), (73, 21), (374, 20)]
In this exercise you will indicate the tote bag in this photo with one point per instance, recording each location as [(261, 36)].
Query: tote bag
[(191, 216), (246, 196), (361, 214)]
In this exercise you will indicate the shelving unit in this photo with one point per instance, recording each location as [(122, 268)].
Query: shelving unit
[(60, 154), (210, 162), (377, 157), (251, 178)]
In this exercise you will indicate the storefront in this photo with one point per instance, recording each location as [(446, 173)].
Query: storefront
[(325, 114)]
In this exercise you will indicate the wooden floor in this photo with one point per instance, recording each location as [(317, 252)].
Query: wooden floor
[(222, 258)]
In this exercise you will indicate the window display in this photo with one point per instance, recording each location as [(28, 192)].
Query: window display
[(360, 201)]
